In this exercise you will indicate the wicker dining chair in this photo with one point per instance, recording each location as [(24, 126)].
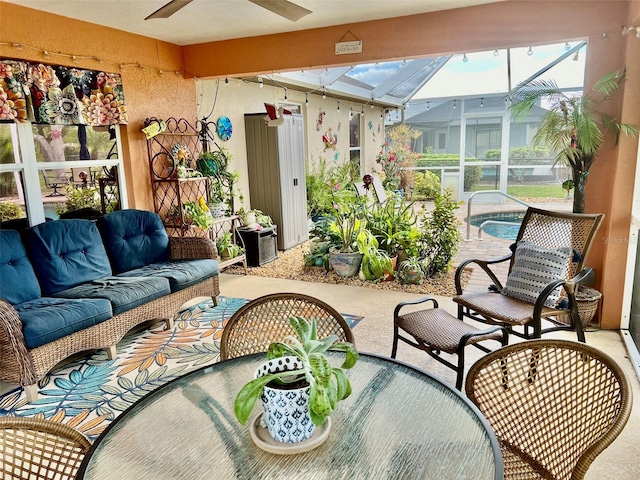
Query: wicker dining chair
[(545, 272), (554, 405), (37, 449), (266, 319)]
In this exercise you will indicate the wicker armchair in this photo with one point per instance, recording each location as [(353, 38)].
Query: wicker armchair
[(40, 449), (546, 230), (554, 405), (266, 319)]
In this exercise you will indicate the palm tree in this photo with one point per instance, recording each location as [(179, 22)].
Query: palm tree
[(573, 127)]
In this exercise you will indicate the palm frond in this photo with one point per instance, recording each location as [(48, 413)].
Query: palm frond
[(588, 131), (629, 130), (610, 83), (527, 95)]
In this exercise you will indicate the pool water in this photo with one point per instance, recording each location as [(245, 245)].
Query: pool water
[(499, 230)]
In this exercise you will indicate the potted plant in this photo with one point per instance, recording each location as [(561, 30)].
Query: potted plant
[(197, 213), (376, 263), (306, 365), (410, 271), (318, 255), (254, 219), (573, 127), (217, 198), (394, 226), (344, 255), (226, 247)]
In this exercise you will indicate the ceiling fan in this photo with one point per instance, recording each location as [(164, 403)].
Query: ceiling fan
[(284, 8)]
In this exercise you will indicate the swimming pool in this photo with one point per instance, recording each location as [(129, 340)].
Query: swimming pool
[(499, 230)]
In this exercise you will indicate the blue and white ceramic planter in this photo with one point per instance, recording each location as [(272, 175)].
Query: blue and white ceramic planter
[(286, 412)]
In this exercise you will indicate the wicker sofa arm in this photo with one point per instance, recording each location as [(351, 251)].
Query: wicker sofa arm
[(185, 248), (16, 364)]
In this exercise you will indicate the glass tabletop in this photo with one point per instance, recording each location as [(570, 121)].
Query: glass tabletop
[(399, 423)]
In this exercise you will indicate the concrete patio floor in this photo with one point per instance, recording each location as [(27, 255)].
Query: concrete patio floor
[(621, 461)]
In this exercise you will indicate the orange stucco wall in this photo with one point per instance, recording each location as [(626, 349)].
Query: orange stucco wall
[(487, 27), (147, 93)]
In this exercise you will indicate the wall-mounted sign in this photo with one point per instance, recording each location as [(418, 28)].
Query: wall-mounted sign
[(346, 48)]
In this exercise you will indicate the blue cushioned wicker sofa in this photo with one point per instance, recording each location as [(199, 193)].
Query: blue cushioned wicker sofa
[(72, 285)]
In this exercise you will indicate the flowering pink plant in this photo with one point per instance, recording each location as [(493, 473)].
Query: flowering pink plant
[(390, 167)]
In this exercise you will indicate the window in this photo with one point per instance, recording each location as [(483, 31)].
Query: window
[(47, 169), (354, 145)]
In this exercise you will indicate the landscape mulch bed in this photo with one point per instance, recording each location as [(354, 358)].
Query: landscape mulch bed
[(290, 265)]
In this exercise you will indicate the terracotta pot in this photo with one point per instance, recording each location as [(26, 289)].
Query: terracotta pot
[(389, 276)]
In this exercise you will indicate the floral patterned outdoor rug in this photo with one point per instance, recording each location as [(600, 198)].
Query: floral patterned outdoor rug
[(89, 392)]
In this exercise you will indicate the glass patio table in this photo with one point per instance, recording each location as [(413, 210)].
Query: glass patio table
[(398, 423)]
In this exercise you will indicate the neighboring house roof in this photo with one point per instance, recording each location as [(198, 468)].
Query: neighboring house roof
[(448, 113)]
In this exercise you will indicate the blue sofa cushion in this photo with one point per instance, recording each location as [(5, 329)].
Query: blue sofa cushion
[(47, 319), (133, 239), (123, 293), (66, 253), (181, 274), (18, 281)]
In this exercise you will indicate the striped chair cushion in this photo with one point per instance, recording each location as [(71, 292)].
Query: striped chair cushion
[(533, 269)]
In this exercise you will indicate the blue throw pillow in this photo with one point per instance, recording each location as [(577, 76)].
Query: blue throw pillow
[(533, 269), (134, 238), (18, 281), (66, 253)]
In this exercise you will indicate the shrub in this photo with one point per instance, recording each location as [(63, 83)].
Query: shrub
[(10, 211), (79, 197), (427, 185), (472, 177), (440, 235)]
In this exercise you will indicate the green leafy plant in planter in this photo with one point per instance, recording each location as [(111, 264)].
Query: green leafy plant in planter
[(393, 224), (327, 384), (376, 264), (198, 214), (226, 247), (410, 271), (318, 255), (349, 221)]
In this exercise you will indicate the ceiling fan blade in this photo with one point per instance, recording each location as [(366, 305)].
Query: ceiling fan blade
[(169, 9), (284, 8)]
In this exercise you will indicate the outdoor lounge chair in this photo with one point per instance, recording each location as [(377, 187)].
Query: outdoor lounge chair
[(554, 405), (55, 180), (266, 319), (37, 449), (545, 272)]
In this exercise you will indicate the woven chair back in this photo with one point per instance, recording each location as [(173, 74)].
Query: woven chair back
[(553, 404), (266, 319), (37, 449), (560, 229)]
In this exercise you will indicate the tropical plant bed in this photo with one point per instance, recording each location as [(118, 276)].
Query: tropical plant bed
[(290, 265)]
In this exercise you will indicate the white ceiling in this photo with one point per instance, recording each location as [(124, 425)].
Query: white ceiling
[(212, 20)]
